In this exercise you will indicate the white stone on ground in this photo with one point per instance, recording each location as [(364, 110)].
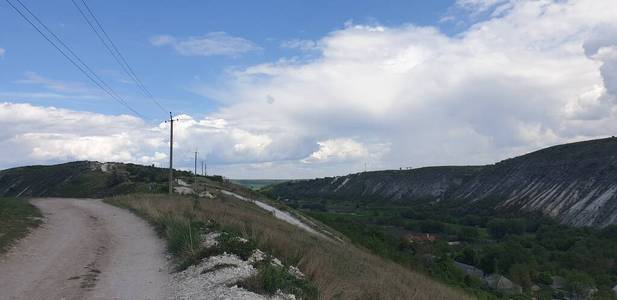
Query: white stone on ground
[(210, 239), (205, 281)]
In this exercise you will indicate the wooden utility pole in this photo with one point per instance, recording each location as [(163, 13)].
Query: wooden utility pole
[(195, 175), (195, 172), (171, 153)]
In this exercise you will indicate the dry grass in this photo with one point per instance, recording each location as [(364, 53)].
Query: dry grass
[(340, 270)]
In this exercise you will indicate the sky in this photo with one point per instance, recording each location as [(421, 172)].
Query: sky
[(303, 89)]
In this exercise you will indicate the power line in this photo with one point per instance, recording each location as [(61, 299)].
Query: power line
[(84, 68), (114, 51)]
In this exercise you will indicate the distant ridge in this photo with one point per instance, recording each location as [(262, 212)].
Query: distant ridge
[(575, 183)]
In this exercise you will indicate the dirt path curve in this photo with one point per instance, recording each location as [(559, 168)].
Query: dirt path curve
[(86, 249)]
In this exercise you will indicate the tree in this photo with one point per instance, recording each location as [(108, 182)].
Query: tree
[(469, 234), (498, 228), (521, 274), (469, 256), (579, 284)]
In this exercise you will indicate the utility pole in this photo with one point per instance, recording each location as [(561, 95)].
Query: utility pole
[(171, 153), (195, 172), (202, 168), (195, 175)]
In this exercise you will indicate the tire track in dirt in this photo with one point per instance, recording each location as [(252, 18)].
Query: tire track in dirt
[(86, 249)]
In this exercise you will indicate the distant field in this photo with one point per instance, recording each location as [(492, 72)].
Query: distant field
[(17, 217), (255, 184)]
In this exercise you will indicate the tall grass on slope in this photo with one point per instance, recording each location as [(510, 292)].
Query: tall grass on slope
[(17, 217), (340, 270)]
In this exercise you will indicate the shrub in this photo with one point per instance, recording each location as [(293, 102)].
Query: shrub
[(271, 278), (233, 243)]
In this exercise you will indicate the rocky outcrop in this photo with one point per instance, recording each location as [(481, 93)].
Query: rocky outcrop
[(575, 183)]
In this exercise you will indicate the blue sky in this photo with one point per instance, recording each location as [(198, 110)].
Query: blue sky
[(291, 89), (170, 76)]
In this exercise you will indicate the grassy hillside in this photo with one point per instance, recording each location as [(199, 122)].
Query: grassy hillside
[(527, 249), (514, 218), (17, 218), (338, 269), (83, 179)]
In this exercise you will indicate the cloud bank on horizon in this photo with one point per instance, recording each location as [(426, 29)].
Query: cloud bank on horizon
[(526, 75)]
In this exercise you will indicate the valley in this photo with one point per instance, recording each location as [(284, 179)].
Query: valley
[(544, 221)]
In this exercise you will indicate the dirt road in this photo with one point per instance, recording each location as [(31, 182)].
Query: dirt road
[(86, 249)]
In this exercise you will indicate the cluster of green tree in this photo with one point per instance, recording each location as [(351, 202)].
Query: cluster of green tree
[(528, 249)]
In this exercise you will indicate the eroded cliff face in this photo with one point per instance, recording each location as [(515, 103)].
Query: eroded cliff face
[(574, 183), (432, 183)]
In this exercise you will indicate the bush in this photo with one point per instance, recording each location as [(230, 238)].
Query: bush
[(233, 243), (468, 256), (579, 283), (183, 238), (499, 228), (432, 226), (271, 278)]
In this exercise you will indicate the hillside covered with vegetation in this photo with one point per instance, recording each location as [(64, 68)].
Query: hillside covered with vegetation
[(543, 258), (542, 225), (573, 183), (84, 179)]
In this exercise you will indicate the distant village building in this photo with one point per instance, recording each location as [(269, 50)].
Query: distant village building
[(469, 270), (423, 237), (503, 284)]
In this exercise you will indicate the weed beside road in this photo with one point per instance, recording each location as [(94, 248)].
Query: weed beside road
[(17, 218)]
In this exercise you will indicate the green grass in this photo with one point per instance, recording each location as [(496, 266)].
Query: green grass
[(183, 232), (17, 218), (523, 247), (84, 179), (271, 278), (338, 270)]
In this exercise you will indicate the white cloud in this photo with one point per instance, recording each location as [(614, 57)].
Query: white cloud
[(59, 86), (2, 51), (341, 149), (536, 74), (479, 5), (515, 82), (304, 45), (46, 134), (213, 43)]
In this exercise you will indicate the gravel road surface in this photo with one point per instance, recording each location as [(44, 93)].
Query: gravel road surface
[(85, 249)]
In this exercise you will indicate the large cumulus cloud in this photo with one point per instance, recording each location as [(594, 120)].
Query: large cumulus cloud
[(529, 74)]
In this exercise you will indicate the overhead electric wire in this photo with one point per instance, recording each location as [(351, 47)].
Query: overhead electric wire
[(84, 68), (114, 51)]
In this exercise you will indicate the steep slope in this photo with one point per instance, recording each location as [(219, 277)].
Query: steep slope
[(432, 183), (575, 183)]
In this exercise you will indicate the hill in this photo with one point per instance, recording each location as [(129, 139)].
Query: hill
[(83, 179), (574, 183), (544, 222), (333, 266)]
